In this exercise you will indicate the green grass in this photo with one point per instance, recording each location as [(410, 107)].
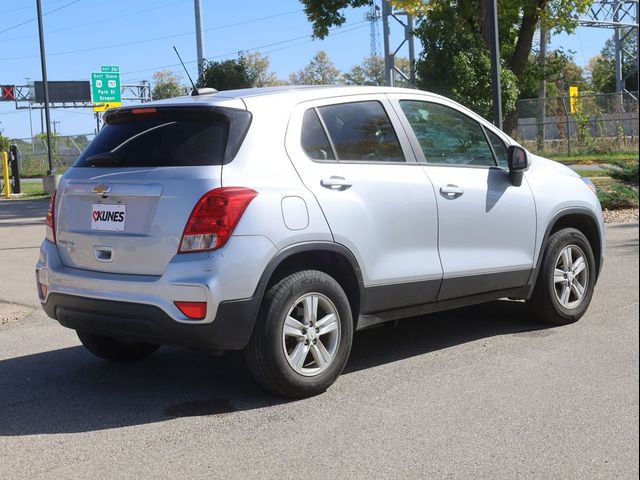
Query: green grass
[(602, 181), (31, 191), (590, 158), (586, 172)]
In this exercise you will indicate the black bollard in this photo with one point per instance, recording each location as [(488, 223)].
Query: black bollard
[(14, 162)]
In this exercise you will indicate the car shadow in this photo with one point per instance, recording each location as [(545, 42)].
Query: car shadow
[(69, 390)]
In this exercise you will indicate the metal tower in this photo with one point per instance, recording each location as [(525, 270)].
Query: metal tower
[(622, 17), (373, 15)]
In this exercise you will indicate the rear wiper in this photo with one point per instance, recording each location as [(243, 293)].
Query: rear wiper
[(102, 159)]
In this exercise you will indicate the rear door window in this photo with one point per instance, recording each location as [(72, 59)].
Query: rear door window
[(361, 131), (165, 138), (314, 139)]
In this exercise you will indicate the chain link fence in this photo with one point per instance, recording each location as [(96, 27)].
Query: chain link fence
[(583, 124), (33, 153)]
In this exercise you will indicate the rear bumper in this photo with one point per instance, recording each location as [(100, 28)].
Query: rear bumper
[(147, 323), (141, 307)]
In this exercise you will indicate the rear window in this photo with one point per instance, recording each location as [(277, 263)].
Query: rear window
[(168, 137)]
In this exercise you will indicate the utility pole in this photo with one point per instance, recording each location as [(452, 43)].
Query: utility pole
[(495, 64), (386, 34), (199, 38), (45, 85), (390, 69), (33, 145), (412, 51), (542, 87)]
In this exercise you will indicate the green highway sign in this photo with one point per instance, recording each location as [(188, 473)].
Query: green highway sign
[(105, 88)]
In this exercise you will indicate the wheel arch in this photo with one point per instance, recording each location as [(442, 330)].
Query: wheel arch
[(331, 258), (581, 219)]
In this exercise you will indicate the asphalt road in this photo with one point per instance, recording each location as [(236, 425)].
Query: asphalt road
[(474, 393)]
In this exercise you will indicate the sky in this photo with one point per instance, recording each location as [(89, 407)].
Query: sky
[(138, 36)]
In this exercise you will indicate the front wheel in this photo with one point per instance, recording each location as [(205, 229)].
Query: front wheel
[(116, 350), (302, 339), (566, 280)]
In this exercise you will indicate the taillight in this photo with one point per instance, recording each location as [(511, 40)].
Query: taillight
[(50, 220), (214, 217)]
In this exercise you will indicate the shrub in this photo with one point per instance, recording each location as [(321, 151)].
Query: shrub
[(618, 195), (626, 172)]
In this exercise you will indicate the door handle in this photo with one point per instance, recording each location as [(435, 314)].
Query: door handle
[(335, 183), (451, 191)]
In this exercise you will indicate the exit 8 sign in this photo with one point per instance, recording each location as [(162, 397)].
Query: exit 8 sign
[(105, 88)]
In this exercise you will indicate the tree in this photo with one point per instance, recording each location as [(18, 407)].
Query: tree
[(371, 72), (167, 85), (560, 72), (4, 142), (81, 141), (226, 75), (257, 66), (319, 71), (602, 74), (459, 66), (601, 68), (517, 24)]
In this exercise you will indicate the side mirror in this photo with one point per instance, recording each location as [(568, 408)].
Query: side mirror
[(519, 161)]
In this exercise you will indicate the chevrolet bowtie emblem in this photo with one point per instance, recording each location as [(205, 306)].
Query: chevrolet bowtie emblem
[(101, 189)]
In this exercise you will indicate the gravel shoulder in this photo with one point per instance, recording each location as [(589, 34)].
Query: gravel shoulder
[(626, 215)]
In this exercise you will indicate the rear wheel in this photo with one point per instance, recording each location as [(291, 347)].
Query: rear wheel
[(116, 350), (302, 339), (567, 278)]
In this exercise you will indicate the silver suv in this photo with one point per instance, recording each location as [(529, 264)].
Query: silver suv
[(281, 220)]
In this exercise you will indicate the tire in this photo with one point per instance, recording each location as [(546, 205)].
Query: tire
[(549, 302), (115, 350), (293, 361)]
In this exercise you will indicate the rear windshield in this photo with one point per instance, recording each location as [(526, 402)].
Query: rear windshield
[(167, 137)]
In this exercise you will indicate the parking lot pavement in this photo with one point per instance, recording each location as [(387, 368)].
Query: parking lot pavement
[(21, 232), (474, 393)]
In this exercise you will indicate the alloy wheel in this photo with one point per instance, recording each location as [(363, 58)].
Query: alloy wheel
[(311, 334), (571, 276)]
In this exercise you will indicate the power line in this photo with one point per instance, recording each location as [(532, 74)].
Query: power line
[(104, 20), (309, 39), (164, 37), (34, 18), (10, 113), (27, 6)]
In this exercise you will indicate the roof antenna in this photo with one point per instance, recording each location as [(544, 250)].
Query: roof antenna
[(195, 92)]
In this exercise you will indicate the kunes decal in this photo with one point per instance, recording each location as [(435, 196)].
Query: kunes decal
[(99, 216)]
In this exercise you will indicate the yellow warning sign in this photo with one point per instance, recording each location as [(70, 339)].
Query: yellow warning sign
[(103, 107), (574, 105)]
